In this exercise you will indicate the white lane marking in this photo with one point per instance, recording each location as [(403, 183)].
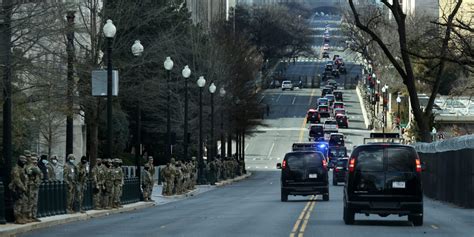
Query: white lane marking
[(294, 99), (266, 167), (246, 147), (434, 227), (254, 158), (271, 149), (278, 97)]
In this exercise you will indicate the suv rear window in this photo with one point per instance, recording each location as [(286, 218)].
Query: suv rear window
[(401, 159), (370, 160), (330, 122), (302, 160)]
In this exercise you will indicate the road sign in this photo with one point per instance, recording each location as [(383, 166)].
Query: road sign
[(99, 83)]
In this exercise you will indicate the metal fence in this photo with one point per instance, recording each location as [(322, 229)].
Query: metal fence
[(449, 174), (52, 197)]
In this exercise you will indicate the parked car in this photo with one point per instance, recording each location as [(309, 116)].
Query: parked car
[(304, 173), (286, 85), (384, 179), (312, 116), (340, 170)]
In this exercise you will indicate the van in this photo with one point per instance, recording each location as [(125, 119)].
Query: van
[(384, 179), (304, 173)]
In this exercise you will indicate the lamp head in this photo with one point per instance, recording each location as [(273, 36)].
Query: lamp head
[(137, 48), (186, 72), (168, 64), (222, 92), (201, 82), (109, 29), (212, 88)]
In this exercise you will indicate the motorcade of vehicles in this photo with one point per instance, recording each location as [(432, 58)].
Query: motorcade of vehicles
[(286, 85), (313, 116), (339, 171), (336, 139), (316, 131), (323, 111), (384, 178), (304, 173), (342, 121), (338, 95)]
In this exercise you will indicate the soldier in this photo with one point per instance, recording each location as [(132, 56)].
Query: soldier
[(98, 183), (178, 188), (147, 183), (117, 178), (195, 172), (212, 172), (55, 173), (82, 173), (122, 179), (168, 180), (152, 166), (218, 169), (70, 179), (18, 186), (35, 177), (109, 185)]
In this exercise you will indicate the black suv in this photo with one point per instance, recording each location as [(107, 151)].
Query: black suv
[(340, 170), (384, 179), (304, 173)]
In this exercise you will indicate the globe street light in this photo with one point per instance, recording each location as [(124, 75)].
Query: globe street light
[(109, 32), (137, 51), (186, 72), (212, 90), (168, 64), (222, 95), (201, 82)]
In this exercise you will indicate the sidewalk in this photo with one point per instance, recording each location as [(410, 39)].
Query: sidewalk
[(11, 229)]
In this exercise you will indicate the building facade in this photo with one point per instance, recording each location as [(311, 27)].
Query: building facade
[(205, 12)]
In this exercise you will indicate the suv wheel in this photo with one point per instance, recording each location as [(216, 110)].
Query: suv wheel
[(348, 216), (326, 197), (284, 196), (417, 219)]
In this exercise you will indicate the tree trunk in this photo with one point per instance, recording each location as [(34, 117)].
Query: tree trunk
[(92, 123)]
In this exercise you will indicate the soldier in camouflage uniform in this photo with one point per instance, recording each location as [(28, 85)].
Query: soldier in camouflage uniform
[(219, 169), (82, 174), (212, 172), (98, 175), (147, 183), (168, 173), (108, 185), (195, 172), (70, 179), (178, 179), (152, 166), (122, 178), (19, 187), (117, 177), (35, 176)]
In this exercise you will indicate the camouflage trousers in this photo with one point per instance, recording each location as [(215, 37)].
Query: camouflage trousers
[(116, 194), (70, 196), (108, 195), (147, 191), (20, 207), (97, 196), (81, 189), (33, 201), (169, 186)]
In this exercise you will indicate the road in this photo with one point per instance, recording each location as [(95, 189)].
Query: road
[(252, 207)]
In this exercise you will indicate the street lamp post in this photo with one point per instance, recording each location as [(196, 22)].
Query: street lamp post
[(186, 74), (109, 32), (168, 64), (70, 83), (383, 110), (137, 51), (399, 100), (201, 82), (385, 104), (222, 94), (212, 90), (378, 93)]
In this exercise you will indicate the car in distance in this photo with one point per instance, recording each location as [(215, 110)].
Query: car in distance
[(336, 139), (286, 85), (330, 98), (304, 173), (335, 153), (338, 95), (323, 111), (342, 121), (322, 101), (326, 47), (325, 55), (338, 111), (316, 131), (384, 178), (340, 170), (312, 116), (325, 91), (337, 104)]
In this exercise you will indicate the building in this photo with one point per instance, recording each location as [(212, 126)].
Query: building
[(206, 12)]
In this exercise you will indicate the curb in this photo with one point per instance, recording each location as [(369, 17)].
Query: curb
[(188, 194), (362, 107), (226, 182), (15, 229)]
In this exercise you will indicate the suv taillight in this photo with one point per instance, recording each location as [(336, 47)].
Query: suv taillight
[(352, 162), (418, 165), (283, 165), (325, 163)]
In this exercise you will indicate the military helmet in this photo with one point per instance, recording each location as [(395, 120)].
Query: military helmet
[(99, 159), (146, 166), (71, 156), (116, 160), (22, 158), (120, 161), (27, 153)]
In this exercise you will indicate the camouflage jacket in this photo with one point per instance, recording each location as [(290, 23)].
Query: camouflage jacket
[(70, 173), (35, 176), (82, 172), (19, 181), (147, 179), (98, 175)]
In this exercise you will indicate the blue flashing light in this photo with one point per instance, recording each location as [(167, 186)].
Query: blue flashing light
[(322, 145)]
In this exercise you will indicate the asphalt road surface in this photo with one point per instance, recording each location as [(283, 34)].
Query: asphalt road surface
[(252, 207)]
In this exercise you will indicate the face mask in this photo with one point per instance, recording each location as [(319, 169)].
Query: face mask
[(71, 161), (54, 161), (45, 162)]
